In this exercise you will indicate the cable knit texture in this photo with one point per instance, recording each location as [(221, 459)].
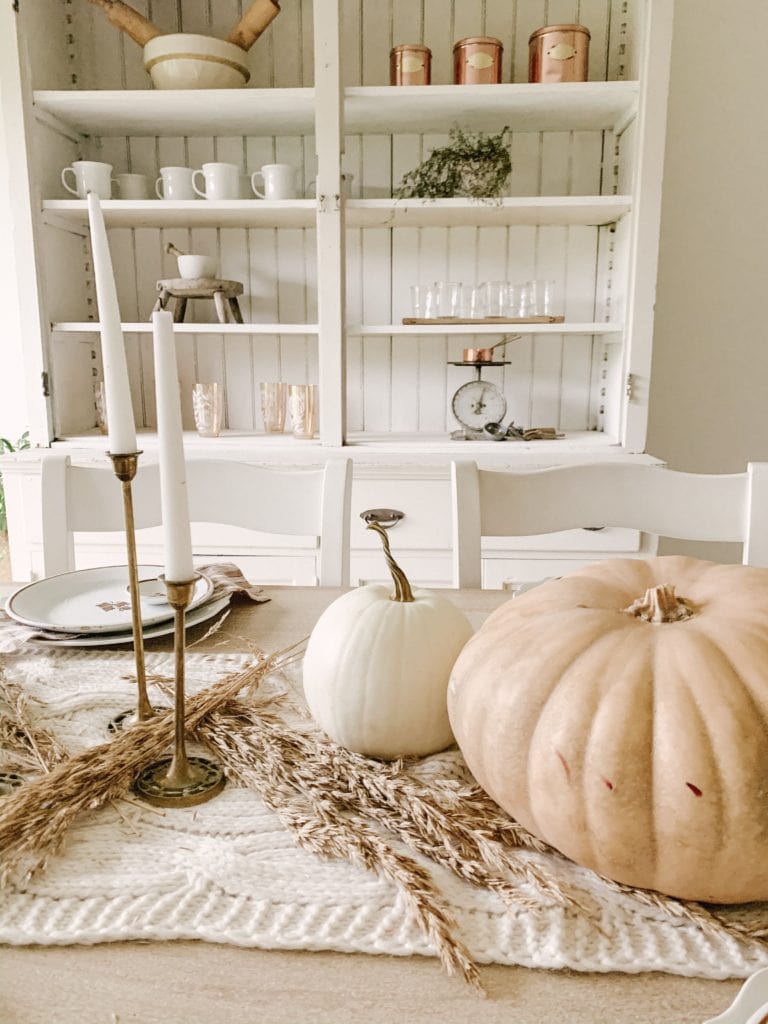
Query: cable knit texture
[(228, 871)]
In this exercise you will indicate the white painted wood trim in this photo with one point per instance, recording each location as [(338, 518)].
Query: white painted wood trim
[(523, 106), (644, 244), (169, 112), (25, 342), (93, 327), (466, 530), (330, 225), (415, 330), (532, 210), (189, 213)]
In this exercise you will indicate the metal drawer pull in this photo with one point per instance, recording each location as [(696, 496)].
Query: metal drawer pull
[(385, 517)]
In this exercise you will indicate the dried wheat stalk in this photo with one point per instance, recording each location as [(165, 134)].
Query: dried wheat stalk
[(32, 747), (34, 820), (322, 826), (454, 825), (709, 919)]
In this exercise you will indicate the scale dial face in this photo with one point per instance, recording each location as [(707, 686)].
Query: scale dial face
[(477, 403)]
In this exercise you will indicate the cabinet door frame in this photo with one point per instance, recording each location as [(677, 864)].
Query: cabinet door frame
[(27, 338), (646, 213)]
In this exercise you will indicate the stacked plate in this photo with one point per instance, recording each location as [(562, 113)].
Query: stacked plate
[(92, 607)]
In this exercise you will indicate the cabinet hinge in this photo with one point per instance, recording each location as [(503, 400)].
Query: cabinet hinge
[(15, 5), (629, 385), (46, 384)]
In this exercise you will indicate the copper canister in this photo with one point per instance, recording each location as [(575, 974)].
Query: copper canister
[(477, 60), (558, 53), (409, 64)]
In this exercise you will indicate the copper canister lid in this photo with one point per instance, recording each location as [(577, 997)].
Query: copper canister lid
[(410, 48), (488, 40), (559, 28)]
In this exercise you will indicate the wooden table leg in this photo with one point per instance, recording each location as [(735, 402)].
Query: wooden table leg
[(221, 307), (179, 310), (234, 305)]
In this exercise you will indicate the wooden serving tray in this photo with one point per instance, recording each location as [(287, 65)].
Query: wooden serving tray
[(483, 320)]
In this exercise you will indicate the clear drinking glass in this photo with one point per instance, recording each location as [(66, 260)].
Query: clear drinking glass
[(541, 295), (208, 407), (303, 408), (273, 404), (465, 305), (496, 298), (100, 402), (477, 302), (446, 297), (419, 294), (518, 304)]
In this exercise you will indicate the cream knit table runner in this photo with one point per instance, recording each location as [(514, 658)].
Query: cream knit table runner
[(229, 872)]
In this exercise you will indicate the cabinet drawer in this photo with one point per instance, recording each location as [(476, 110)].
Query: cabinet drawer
[(427, 507)]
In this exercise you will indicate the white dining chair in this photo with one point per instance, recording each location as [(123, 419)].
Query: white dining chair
[(294, 502), (685, 506)]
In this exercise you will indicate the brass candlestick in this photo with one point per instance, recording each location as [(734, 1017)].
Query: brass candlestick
[(126, 467), (179, 781)]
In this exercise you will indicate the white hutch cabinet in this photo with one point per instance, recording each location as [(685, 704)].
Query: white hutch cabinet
[(327, 277)]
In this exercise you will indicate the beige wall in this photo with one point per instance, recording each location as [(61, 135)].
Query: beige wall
[(709, 384)]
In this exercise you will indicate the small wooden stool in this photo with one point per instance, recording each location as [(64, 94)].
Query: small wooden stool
[(223, 293)]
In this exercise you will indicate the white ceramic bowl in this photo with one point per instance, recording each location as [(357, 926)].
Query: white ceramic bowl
[(186, 61), (197, 266)]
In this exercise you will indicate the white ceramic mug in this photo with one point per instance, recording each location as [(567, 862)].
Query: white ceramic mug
[(90, 176), (222, 181), (132, 186), (176, 183), (279, 181)]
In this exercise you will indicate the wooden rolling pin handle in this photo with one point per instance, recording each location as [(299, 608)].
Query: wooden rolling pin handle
[(259, 15), (128, 20)]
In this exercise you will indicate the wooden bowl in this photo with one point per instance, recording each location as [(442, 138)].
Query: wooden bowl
[(183, 60)]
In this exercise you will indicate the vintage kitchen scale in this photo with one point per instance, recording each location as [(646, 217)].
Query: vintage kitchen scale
[(479, 404)]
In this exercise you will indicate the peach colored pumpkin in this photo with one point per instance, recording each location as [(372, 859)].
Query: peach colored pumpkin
[(637, 748)]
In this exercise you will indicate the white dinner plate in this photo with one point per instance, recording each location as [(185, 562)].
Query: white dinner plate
[(200, 614), (92, 601)]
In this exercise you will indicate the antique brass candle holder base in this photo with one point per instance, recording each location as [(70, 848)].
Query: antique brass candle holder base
[(179, 780), (201, 780), (126, 467)]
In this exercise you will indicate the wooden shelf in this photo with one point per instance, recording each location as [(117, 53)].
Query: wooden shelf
[(366, 330), (525, 210), (92, 327), (188, 213), (367, 448), (524, 107), (360, 213), (367, 109), (175, 112)]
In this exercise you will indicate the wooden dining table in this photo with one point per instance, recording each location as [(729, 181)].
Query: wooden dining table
[(183, 982)]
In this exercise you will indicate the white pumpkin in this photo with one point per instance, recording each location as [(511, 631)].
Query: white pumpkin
[(377, 667)]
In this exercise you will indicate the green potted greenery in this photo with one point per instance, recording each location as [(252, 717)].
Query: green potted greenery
[(473, 165)]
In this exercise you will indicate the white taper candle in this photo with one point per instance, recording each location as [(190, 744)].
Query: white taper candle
[(173, 475), (120, 422)]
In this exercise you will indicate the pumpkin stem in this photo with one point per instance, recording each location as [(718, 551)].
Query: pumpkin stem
[(403, 590), (661, 604)]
